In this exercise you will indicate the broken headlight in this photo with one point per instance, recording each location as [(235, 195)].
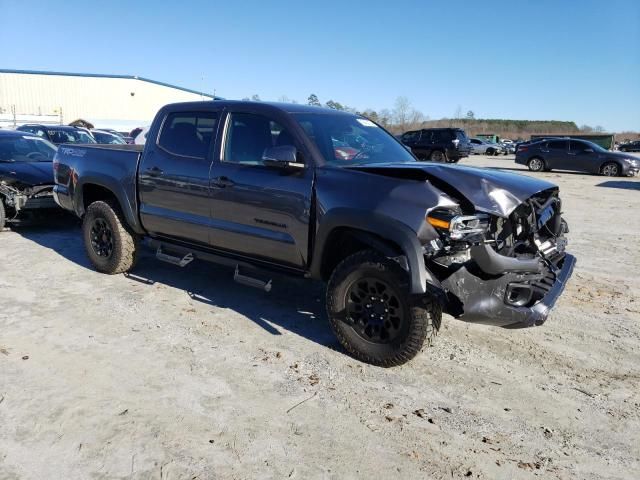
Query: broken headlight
[(456, 226)]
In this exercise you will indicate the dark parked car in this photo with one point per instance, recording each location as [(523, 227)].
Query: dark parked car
[(26, 176), (630, 147), (58, 134), (576, 155), (438, 144), (107, 138), (264, 187)]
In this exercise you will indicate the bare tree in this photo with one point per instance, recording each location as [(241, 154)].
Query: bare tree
[(401, 112)]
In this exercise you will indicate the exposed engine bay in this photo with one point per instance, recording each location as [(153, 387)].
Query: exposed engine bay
[(491, 265)]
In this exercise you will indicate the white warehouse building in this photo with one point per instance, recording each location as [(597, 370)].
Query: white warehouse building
[(108, 101)]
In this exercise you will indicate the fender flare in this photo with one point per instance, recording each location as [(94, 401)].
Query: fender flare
[(369, 227), (127, 206)]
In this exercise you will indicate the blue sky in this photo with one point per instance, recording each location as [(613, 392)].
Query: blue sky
[(556, 60)]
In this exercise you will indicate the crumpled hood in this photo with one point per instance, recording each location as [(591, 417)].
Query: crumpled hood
[(490, 191), (27, 173)]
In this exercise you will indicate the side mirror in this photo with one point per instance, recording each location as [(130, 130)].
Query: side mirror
[(284, 156)]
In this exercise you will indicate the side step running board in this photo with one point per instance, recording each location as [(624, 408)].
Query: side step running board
[(180, 262), (250, 281)]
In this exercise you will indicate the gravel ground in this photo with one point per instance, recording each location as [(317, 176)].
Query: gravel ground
[(181, 374)]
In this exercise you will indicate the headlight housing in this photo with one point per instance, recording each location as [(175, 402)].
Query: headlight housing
[(456, 226)]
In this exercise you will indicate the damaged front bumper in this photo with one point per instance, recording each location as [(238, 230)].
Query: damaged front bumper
[(29, 200), (505, 300)]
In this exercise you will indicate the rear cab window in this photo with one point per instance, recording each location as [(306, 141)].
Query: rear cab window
[(188, 134)]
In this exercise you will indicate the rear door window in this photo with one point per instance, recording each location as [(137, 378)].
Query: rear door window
[(410, 136), (557, 145), (576, 146), (426, 136), (188, 134)]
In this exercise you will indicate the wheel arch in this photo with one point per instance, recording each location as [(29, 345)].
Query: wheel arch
[(344, 232), (92, 190)]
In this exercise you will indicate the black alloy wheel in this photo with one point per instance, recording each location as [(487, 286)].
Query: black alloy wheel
[(374, 309), (101, 238)]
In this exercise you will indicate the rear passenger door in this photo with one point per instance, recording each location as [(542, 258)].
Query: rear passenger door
[(174, 177), (556, 154), (258, 210), (422, 150)]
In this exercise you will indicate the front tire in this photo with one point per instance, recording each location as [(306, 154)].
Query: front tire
[(536, 164), (610, 169), (110, 246), (374, 315)]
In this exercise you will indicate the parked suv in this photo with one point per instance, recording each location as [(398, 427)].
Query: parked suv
[(577, 155), (438, 144), (630, 147)]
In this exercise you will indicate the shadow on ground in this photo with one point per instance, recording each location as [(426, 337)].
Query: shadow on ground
[(524, 169), (295, 305), (625, 185)]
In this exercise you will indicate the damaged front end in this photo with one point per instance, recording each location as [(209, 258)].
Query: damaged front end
[(501, 270), (23, 202)]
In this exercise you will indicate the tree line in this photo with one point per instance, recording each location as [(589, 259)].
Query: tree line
[(404, 117)]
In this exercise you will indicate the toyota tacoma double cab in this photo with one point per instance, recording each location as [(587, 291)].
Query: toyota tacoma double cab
[(265, 188)]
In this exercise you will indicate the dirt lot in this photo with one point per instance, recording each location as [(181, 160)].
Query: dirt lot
[(182, 374)]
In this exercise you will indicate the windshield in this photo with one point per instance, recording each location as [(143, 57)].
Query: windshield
[(26, 149), (347, 140), (70, 136)]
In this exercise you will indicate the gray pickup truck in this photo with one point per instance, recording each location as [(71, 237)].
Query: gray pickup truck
[(326, 195)]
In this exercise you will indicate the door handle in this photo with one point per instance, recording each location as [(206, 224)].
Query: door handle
[(222, 182), (155, 171)]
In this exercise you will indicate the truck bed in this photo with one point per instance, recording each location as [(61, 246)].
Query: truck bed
[(113, 167)]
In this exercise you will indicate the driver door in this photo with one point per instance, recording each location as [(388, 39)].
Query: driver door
[(258, 210)]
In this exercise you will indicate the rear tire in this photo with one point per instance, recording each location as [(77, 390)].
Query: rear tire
[(110, 246), (374, 315), (3, 215), (438, 156), (536, 164), (610, 169)]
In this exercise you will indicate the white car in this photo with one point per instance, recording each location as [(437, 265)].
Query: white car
[(480, 147)]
